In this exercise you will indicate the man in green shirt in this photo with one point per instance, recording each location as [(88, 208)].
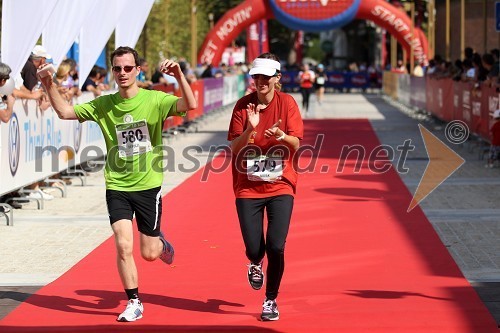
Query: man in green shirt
[(131, 121)]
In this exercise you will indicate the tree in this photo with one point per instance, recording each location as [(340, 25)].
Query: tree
[(167, 32)]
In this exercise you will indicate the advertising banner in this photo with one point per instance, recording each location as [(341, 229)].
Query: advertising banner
[(404, 87), (230, 89), (417, 96), (213, 94), (37, 144)]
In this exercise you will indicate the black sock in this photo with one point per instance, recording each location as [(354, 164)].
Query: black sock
[(132, 293)]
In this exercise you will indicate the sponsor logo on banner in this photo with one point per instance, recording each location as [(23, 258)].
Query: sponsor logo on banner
[(14, 144), (286, 78), (336, 79), (359, 80)]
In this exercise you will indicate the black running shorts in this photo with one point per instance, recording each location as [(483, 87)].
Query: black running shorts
[(146, 205)]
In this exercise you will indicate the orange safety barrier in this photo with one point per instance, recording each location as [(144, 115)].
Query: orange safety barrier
[(169, 89), (197, 87)]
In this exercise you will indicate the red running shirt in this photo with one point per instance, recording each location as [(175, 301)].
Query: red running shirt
[(306, 79), (495, 133), (283, 107)]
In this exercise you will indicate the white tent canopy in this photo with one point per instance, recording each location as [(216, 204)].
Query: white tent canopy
[(96, 30), (22, 24), (68, 16), (130, 25), (63, 22)]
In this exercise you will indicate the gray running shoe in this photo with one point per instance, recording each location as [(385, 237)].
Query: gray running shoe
[(167, 255), (255, 275), (270, 310)]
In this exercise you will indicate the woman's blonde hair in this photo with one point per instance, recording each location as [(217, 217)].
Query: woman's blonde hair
[(63, 70)]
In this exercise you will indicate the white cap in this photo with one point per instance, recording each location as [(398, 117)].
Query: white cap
[(40, 52), (265, 66), (496, 114)]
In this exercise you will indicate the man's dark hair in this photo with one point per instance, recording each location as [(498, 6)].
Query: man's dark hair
[(124, 50), (496, 53), (468, 52), (488, 59)]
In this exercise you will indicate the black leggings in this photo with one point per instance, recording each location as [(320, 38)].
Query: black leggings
[(251, 216), (306, 94)]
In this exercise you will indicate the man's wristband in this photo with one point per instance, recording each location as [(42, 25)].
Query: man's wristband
[(282, 137)]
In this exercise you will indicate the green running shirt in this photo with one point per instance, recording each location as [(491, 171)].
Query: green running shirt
[(132, 129)]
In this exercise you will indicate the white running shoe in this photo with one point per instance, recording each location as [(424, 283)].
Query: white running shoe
[(44, 195), (132, 312)]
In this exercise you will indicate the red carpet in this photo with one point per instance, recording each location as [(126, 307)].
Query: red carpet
[(356, 262)]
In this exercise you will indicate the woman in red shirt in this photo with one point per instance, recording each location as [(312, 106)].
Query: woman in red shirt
[(306, 79), (495, 140), (265, 132)]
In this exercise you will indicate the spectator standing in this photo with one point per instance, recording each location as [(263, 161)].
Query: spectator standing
[(61, 80), (142, 81), (37, 58), (30, 88), (157, 76), (491, 66), (479, 71), (495, 140), (72, 81), (92, 82), (6, 89)]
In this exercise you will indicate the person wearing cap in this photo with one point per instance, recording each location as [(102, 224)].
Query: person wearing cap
[(265, 131), (37, 58), (319, 82), (6, 89), (29, 88), (495, 140)]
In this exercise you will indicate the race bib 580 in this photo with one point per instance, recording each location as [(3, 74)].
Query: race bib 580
[(133, 138)]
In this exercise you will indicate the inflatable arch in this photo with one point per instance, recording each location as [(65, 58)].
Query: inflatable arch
[(312, 15)]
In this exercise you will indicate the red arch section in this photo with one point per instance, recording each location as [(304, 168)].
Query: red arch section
[(229, 27), (250, 11), (398, 24)]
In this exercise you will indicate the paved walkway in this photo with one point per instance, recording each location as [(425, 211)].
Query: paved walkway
[(464, 210)]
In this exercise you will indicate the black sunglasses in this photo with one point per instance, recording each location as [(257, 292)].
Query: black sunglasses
[(265, 77), (127, 69)]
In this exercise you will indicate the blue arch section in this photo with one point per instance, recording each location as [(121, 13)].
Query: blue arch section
[(315, 25)]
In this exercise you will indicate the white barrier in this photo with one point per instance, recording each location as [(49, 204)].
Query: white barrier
[(36, 144), (231, 93)]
